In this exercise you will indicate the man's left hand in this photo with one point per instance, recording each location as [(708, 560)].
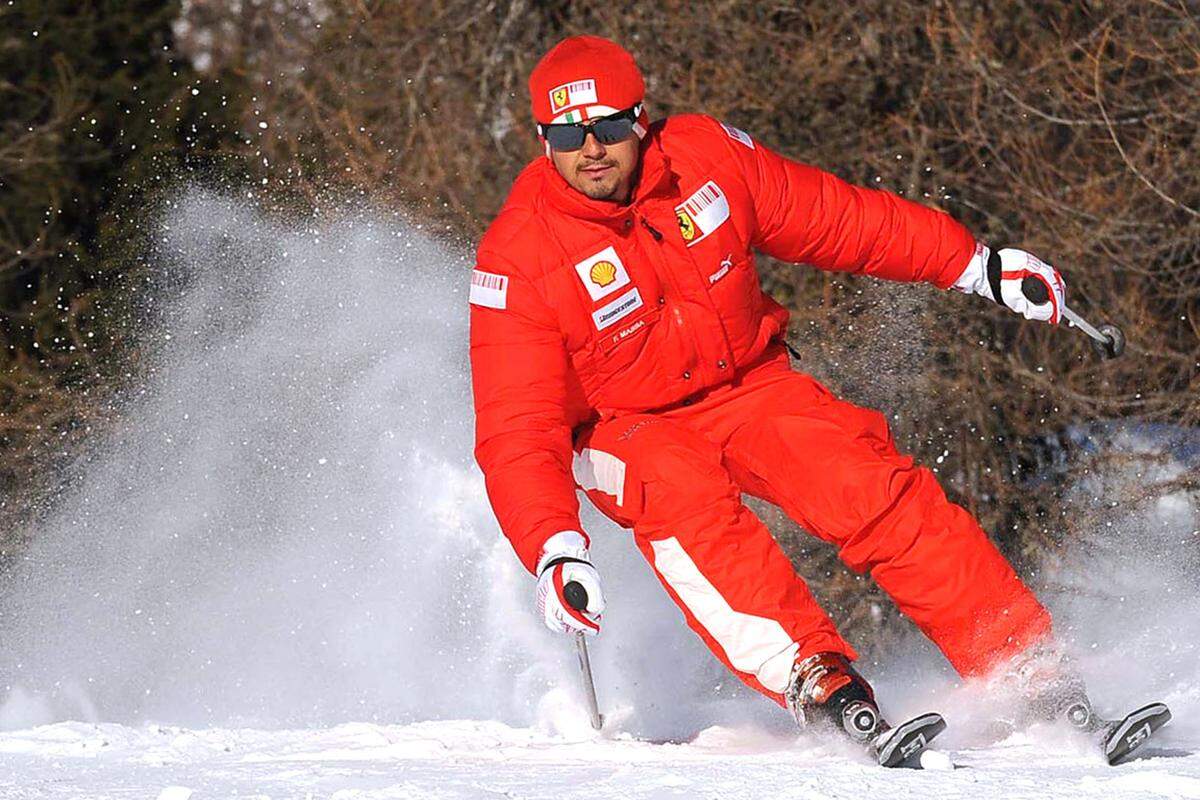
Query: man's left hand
[(999, 275)]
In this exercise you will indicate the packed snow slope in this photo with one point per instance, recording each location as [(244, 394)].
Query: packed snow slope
[(476, 760), (280, 578)]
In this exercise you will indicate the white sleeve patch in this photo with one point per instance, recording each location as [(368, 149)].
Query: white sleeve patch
[(702, 213), (738, 135), (489, 289)]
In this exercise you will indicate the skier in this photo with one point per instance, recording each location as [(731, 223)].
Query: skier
[(621, 344)]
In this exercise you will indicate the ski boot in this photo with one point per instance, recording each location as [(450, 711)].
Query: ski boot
[(1055, 690), (1052, 688), (826, 691)]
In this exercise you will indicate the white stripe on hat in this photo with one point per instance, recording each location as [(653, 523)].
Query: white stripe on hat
[(587, 112)]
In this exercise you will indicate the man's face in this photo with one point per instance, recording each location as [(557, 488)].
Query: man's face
[(601, 171)]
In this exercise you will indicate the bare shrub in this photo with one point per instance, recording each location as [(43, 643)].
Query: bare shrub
[(1067, 128)]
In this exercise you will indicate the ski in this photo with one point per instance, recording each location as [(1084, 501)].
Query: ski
[(902, 745), (1120, 738), (907, 745)]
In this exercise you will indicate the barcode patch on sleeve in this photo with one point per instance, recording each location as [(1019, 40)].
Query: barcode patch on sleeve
[(488, 289), (738, 135), (702, 213)]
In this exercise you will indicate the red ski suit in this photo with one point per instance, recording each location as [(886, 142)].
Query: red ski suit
[(630, 351)]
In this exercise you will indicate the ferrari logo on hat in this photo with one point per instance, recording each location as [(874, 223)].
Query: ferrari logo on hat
[(575, 93), (602, 273)]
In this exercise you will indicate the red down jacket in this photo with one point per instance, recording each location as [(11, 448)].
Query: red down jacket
[(583, 310)]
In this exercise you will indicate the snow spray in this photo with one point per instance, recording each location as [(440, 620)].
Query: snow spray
[(1123, 589), (287, 527)]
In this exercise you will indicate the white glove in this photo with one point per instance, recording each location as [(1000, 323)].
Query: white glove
[(565, 559), (998, 275)]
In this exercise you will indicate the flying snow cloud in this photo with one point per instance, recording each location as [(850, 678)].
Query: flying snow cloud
[(287, 527)]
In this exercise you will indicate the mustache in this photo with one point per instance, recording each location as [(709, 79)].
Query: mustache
[(606, 162)]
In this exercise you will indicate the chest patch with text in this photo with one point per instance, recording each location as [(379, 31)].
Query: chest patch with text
[(702, 213), (617, 310), (603, 273)]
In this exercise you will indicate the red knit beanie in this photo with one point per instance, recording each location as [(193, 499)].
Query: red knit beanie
[(584, 77)]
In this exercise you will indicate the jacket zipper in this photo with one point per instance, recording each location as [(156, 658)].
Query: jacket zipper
[(658, 237), (666, 277)]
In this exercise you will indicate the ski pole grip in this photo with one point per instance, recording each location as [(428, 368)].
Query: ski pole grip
[(1034, 290), (575, 595)]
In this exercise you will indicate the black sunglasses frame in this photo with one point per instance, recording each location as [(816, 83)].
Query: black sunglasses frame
[(582, 129)]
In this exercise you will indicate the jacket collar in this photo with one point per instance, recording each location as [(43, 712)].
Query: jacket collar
[(653, 180)]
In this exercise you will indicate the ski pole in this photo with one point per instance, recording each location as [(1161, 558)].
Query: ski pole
[(1108, 339), (576, 597)]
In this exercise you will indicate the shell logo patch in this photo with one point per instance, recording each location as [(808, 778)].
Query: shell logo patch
[(603, 273), (705, 211), (575, 93), (686, 227)]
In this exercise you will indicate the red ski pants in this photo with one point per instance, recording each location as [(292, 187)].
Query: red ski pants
[(676, 478)]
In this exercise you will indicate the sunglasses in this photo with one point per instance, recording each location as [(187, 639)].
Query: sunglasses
[(607, 130)]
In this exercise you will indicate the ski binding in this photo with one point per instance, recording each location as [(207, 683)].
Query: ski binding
[(902, 745), (1121, 738)]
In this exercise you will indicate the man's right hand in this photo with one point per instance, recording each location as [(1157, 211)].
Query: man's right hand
[(565, 559)]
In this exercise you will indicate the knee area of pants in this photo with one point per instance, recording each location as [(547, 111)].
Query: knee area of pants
[(882, 514), (679, 473), (914, 511), (682, 464)]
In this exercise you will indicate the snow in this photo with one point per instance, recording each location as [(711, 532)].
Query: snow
[(460, 759), (281, 578)]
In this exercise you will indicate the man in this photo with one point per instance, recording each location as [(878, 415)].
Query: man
[(621, 343)]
